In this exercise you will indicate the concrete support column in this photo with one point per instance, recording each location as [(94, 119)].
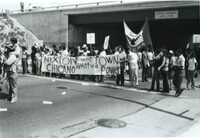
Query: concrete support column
[(66, 18)]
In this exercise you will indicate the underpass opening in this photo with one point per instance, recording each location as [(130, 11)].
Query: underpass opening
[(171, 34)]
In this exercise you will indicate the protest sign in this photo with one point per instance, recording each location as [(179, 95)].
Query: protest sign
[(106, 42), (90, 38), (89, 65)]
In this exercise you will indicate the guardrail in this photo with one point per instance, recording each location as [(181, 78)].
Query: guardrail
[(67, 6)]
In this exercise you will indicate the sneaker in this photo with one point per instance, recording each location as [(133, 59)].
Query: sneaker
[(14, 100), (177, 94)]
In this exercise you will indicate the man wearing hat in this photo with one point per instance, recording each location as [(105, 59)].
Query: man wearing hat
[(11, 54)]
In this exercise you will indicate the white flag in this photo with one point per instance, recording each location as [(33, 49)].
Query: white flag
[(133, 39)]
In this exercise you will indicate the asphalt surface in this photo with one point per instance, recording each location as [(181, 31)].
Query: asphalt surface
[(76, 106)]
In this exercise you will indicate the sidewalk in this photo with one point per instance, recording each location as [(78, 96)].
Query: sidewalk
[(155, 123)]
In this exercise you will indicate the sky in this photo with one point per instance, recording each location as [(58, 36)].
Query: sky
[(13, 5)]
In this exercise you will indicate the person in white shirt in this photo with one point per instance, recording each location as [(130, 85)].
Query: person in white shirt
[(140, 59), (65, 52), (102, 54), (192, 64), (11, 70), (133, 60), (150, 57), (178, 67), (171, 72)]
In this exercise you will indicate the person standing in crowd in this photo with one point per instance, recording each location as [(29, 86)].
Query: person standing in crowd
[(140, 59), (54, 52), (150, 57), (170, 72), (11, 69), (86, 52), (122, 60), (102, 54), (164, 71), (178, 67), (192, 66), (33, 59), (116, 50), (133, 60), (145, 64), (25, 55), (156, 74), (64, 51), (47, 53)]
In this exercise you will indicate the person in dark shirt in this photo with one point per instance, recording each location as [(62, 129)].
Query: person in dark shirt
[(33, 58), (156, 73)]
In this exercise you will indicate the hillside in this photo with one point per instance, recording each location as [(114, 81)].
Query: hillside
[(10, 27)]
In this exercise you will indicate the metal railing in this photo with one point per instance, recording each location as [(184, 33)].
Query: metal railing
[(68, 6)]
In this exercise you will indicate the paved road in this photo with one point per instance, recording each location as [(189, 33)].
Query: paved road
[(76, 106)]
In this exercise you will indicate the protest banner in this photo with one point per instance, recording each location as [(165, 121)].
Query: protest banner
[(107, 65), (88, 65)]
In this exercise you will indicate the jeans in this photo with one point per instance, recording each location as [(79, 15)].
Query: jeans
[(120, 77), (177, 80), (133, 75), (24, 65), (144, 73), (165, 81), (156, 78), (12, 79), (190, 74)]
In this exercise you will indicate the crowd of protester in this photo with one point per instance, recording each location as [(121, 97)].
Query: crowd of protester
[(159, 64)]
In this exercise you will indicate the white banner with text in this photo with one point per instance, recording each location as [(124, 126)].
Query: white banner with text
[(89, 65)]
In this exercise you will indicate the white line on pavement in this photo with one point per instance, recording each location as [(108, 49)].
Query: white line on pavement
[(3, 109)]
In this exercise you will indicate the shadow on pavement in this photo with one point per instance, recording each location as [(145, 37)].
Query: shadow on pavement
[(3, 96)]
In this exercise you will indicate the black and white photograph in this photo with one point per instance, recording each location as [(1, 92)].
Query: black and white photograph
[(99, 68)]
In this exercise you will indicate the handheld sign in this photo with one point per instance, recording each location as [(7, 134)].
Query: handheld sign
[(90, 38), (106, 42)]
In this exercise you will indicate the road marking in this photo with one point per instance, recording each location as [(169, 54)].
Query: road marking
[(3, 109), (184, 112), (84, 84), (63, 93), (47, 102)]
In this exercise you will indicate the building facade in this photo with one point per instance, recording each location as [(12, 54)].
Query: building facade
[(171, 23)]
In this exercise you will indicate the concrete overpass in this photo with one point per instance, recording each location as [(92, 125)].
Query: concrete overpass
[(171, 23)]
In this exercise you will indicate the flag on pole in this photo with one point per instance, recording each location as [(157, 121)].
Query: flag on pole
[(106, 42), (146, 33), (133, 40), (140, 39)]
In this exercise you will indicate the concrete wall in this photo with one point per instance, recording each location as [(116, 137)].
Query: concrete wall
[(52, 27)]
